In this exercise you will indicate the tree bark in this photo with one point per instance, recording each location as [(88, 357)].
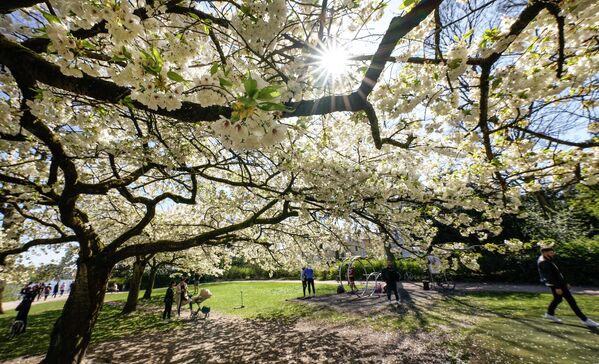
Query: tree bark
[(72, 331), (389, 254), (151, 280), (138, 270), (2, 285)]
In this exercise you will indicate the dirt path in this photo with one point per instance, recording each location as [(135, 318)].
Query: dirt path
[(226, 339)]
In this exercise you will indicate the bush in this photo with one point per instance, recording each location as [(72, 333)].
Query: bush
[(577, 260)]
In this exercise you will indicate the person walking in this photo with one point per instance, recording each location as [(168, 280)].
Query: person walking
[(182, 295), (168, 300), (303, 278), (47, 289), (29, 294), (391, 277), (55, 290), (309, 273), (552, 277), (62, 288), (40, 290)]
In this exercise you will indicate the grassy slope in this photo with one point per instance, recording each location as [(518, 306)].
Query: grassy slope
[(495, 327)]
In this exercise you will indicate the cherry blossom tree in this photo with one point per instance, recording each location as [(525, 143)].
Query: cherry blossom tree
[(141, 127)]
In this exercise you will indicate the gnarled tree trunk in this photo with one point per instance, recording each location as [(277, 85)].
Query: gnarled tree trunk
[(2, 285), (151, 281), (138, 270), (72, 331)]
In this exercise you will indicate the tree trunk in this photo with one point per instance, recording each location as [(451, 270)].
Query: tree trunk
[(389, 254), (134, 284), (2, 285), (72, 331), (151, 280)]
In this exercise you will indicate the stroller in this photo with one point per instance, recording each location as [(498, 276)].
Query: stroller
[(203, 296)]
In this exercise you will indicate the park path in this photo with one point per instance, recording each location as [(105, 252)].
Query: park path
[(410, 286), (10, 305)]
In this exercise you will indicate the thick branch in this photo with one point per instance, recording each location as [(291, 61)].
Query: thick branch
[(399, 27), (207, 237), (8, 6), (35, 242)]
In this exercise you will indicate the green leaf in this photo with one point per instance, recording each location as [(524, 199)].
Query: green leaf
[(207, 25), (128, 102), (194, 16), (268, 93), (50, 18), (175, 76), (250, 85), (87, 44), (406, 4), (272, 106), (157, 57), (224, 82), (126, 53), (496, 82), (246, 10), (454, 63), (145, 55), (214, 68), (247, 101), (468, 33)]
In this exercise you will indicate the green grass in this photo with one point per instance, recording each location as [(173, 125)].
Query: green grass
[(261, 299), (486, 327), (511, 329), (111, 324)]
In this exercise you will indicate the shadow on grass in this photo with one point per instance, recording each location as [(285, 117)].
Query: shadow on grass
[(111, 325), (34, 341), (514, 330)]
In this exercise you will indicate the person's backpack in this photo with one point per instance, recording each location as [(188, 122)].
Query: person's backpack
[(340, 289)]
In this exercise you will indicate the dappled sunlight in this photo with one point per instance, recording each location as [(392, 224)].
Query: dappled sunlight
[(278, 326)]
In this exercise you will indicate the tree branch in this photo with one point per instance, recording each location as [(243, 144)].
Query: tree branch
[(8, 6), (35, 242), (207, 237)]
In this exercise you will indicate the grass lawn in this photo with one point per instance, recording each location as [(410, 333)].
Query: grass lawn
[(512, 329), (490, 327)]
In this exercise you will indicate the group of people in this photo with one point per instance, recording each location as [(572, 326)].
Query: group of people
[(175, 293), (44, 290), (307, 277), (549, 274), (179, 293)]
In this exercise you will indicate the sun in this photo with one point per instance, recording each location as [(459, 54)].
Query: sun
[(333, 60), (331, 63)]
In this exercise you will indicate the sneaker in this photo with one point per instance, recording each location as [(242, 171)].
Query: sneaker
[(552, 318), (590, 323)]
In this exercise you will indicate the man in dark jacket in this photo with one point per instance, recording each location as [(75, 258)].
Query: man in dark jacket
[(29, 294), (553, 278), (391, 277), (168, 301)]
